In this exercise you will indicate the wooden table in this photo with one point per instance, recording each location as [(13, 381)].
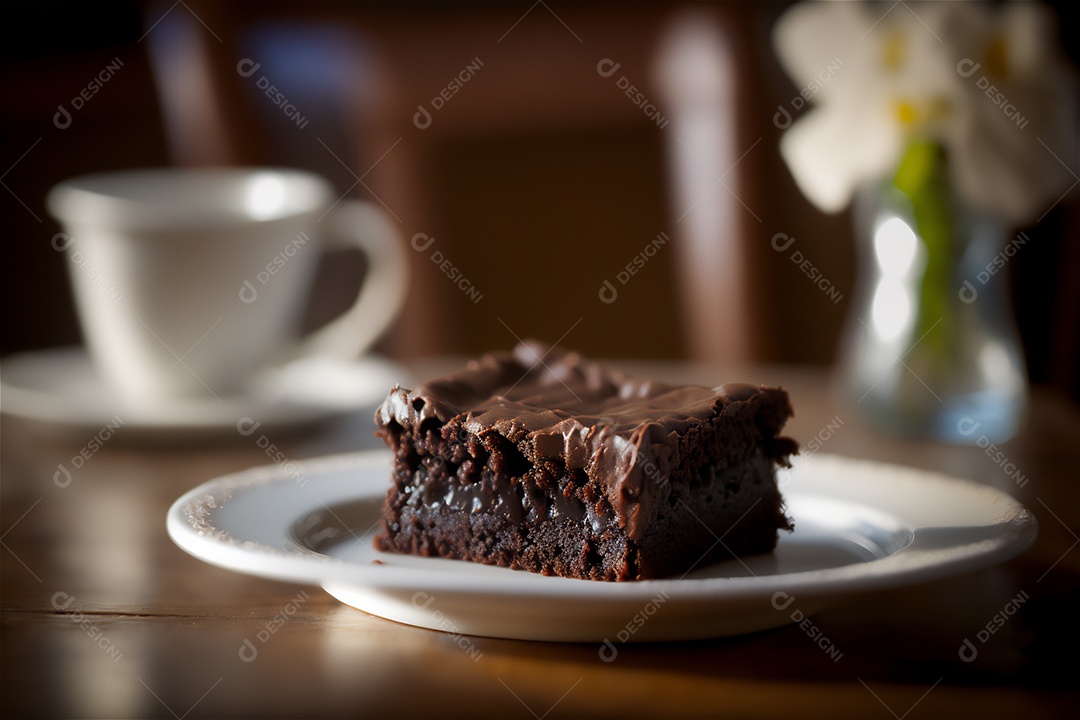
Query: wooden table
[(102, 616)]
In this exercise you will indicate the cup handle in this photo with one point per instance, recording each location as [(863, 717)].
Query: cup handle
[(364, 225)]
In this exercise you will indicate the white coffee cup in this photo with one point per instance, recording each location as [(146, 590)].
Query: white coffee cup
[(189, 283)]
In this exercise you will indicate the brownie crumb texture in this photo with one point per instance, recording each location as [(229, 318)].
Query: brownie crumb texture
[(539, 460)]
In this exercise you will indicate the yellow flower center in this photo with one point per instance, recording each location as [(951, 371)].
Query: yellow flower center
[(905, 112), (893, 50), (997, 59), (909, 113)]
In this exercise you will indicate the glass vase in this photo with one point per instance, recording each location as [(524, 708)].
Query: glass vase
[(931, 347)]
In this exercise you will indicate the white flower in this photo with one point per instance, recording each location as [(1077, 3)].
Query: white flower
[(987, 82)]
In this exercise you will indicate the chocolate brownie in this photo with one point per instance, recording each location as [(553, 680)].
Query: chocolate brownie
[(539, 460)]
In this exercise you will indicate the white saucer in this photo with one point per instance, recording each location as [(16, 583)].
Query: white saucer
[(859, 526), (60, 387)]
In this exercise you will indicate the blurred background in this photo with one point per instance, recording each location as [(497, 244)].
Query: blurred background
[(547, 148)]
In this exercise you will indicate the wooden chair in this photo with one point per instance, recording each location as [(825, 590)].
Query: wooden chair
[(569, 174)]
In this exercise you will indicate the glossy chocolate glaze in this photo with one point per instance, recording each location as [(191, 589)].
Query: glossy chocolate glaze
[(620, 430)]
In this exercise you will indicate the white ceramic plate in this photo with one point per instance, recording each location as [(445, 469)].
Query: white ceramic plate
[(60, 388), (859, 526)]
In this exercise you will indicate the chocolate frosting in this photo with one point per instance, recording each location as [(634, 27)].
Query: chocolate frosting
[(555, 405)]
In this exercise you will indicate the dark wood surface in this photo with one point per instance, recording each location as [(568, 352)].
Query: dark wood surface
[(144, 630)]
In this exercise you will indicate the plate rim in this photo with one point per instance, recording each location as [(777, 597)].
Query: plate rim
[(1019, 529)]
